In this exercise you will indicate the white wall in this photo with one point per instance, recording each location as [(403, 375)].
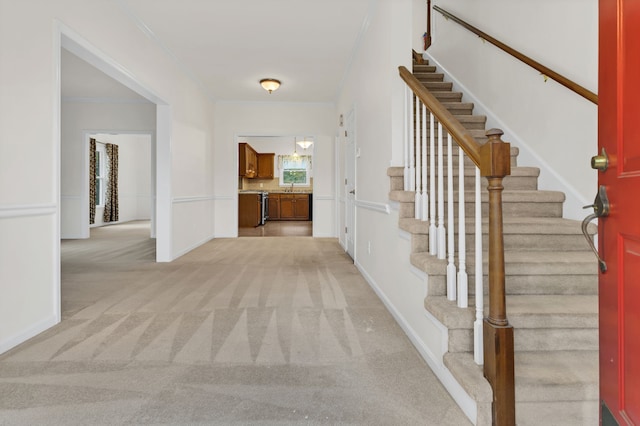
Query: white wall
[(77, 119), (419, 25), (554, 128), (382, 253), (30, 39), (272, 119)]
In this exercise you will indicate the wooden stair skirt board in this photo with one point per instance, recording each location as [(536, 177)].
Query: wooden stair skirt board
[(551, 284)]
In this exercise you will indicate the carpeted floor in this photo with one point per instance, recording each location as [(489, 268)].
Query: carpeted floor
[(264, 331)]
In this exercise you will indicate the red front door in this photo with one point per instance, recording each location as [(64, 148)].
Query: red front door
[(619, 233)]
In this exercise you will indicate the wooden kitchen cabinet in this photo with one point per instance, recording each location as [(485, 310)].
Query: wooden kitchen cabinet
[(266, 165), (249, 210), (294, 206), (247, 161), (274, 206), (301, 207)]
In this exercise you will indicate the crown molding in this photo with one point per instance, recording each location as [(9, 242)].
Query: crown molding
[(100, 100), (142, 26)]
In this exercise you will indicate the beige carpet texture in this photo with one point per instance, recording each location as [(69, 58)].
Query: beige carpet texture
[(248, 331)]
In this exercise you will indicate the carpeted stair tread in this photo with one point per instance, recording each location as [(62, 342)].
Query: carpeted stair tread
[(428, 76), (553, 311), (551, 387), (510, 196), (520, 263), (525, 311), (459, 108), (540, 376), (461, 364), (446, 95), (423, 67), (438, 86), (556, 376), (511, 225)]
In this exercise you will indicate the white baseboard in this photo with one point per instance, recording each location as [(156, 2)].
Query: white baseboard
[(28, 333), (192, 247), (464, 401)]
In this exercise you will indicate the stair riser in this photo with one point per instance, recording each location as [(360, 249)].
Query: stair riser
[(438, 86), (447, 96), (462, 110), (530, 242), (467, 161), (397, 183), (519, 209), (429, 77), (529, 183), (525, 284), (470, 122), (552, 339), (510, 182), (423, 68), (556, 339), (559, 412)]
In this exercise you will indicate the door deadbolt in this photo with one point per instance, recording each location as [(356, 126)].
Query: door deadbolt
[(600, 162), (601, 208)]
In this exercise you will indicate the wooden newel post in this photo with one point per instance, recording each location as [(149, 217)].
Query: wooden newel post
[(495, 164)]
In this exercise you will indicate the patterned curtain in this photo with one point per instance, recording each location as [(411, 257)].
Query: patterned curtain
[(92, 180), (295, 161), (111, 201)]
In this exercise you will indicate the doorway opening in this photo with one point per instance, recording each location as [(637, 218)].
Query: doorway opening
[(135, 178), (275, 185)]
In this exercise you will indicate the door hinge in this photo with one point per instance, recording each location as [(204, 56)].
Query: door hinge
[(345, 230), (345, 133), (345, 182)]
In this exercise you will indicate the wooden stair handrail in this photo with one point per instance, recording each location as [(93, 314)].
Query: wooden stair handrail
[(467, 142), (569, 84)]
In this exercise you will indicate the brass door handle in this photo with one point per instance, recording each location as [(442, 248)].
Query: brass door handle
[(601, 208), (585, 223), (600, 162)]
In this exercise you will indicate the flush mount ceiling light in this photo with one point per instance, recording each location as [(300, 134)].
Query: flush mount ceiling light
[(270, 84), (305, 143)]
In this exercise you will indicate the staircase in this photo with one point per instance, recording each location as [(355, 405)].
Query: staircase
[(551, 284)]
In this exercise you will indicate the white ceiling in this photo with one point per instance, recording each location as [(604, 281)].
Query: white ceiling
[(229, 45)]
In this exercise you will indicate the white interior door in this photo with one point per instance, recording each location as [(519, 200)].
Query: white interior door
[(350, 185)]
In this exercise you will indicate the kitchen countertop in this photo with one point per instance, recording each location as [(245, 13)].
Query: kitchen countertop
[(279, 191), (290, 192)]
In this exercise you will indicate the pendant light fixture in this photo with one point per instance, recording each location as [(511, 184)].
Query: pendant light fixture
[(305, 143), (270, 84)]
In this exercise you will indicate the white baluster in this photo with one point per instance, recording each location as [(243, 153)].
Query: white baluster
[(442, 239), (412, 141), (451, 267), (425, 194), (463, 281), (478, 354), (407, 119), (433, 245), (418, 143)]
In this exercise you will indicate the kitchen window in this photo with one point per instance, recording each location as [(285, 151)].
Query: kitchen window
[(295, 170)]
